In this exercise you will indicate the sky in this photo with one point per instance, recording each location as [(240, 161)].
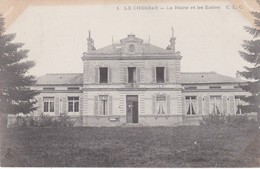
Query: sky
[(208, 39)]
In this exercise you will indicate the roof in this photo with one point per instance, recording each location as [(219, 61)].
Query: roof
[(144, 48), (206, 77), (186, 78), (61, 79)]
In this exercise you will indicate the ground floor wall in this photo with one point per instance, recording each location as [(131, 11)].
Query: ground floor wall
[(212, 102), (61, 102), (154, 108), (106, 108)]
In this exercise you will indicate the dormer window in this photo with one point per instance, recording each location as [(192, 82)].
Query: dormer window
[(131, 48)]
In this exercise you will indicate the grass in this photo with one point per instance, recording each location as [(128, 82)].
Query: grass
[(201, 146)]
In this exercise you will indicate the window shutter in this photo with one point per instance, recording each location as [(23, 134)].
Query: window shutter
[(166, 74), (232, 105), (153, 104), (56, 106), (80, 106), (96, 75), (224, 104), (207, 105), (110, 105), (153, 74), (40, 104), (109, 75), (138, 74), (64, 103), (96, 105), (168, 104), (200, 105), (125, 75), (183, 105)]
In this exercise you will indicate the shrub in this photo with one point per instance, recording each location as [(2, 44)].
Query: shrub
[(64, 121), (233, 120), (44, 121), (213, 119), (239, 120)]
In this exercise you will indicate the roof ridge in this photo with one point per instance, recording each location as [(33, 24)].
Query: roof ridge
[(62, 73), (211, 72)]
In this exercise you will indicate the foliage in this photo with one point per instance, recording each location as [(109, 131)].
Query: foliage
[(214, 118), (222, 119), (44, 121), (251, 54), (238, 120), (15, 94)]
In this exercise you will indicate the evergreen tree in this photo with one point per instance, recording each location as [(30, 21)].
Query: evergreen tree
[(251, 54), (15, 94)]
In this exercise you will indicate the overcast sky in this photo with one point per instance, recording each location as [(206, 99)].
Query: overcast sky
[(208, 39)]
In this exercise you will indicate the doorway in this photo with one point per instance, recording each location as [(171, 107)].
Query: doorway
[(131, 109)]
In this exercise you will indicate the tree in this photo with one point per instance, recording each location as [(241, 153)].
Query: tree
[(251, 54), (15, 94)]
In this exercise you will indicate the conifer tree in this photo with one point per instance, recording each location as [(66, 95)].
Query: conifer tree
[(15, 94), (251, 54)]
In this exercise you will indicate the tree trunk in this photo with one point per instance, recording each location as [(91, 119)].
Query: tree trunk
[(3, 120)]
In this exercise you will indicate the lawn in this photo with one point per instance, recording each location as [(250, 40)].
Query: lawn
[(200, 146)]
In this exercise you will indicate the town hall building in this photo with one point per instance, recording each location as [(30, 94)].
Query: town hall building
[(134, 82)]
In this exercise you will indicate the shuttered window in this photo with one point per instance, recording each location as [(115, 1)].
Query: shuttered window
[(191, 105), (48, 104), (131, 74), (160, 75), (161, 104), (103, 105), (103, 75), (73, 104), (215, 104)]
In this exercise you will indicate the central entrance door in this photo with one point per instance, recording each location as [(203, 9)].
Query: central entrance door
[(132, 109)]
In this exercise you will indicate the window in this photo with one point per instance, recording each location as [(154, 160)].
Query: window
[(48, 88), (73, 104), (214, 87), (190, 87), (103, 105), (160, 74), (239, 102), (191, 105), (161, 103), (73, 88), (103, 75), (131, 74), (215, 104), (48, 104)]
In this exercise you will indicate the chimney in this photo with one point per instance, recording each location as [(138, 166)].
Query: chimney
[(90, 41)]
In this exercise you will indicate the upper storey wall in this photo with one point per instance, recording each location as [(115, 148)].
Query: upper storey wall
[(145, 70)]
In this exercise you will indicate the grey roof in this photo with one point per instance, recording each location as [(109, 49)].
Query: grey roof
[(61, 79), (186, 78), (206, 77), (145, 48)]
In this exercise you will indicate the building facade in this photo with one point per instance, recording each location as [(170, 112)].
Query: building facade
[(136, 82)]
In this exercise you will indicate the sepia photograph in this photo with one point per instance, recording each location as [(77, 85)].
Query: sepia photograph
[(133, 83)]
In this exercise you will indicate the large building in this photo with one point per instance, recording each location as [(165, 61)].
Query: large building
[(136, 82)]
